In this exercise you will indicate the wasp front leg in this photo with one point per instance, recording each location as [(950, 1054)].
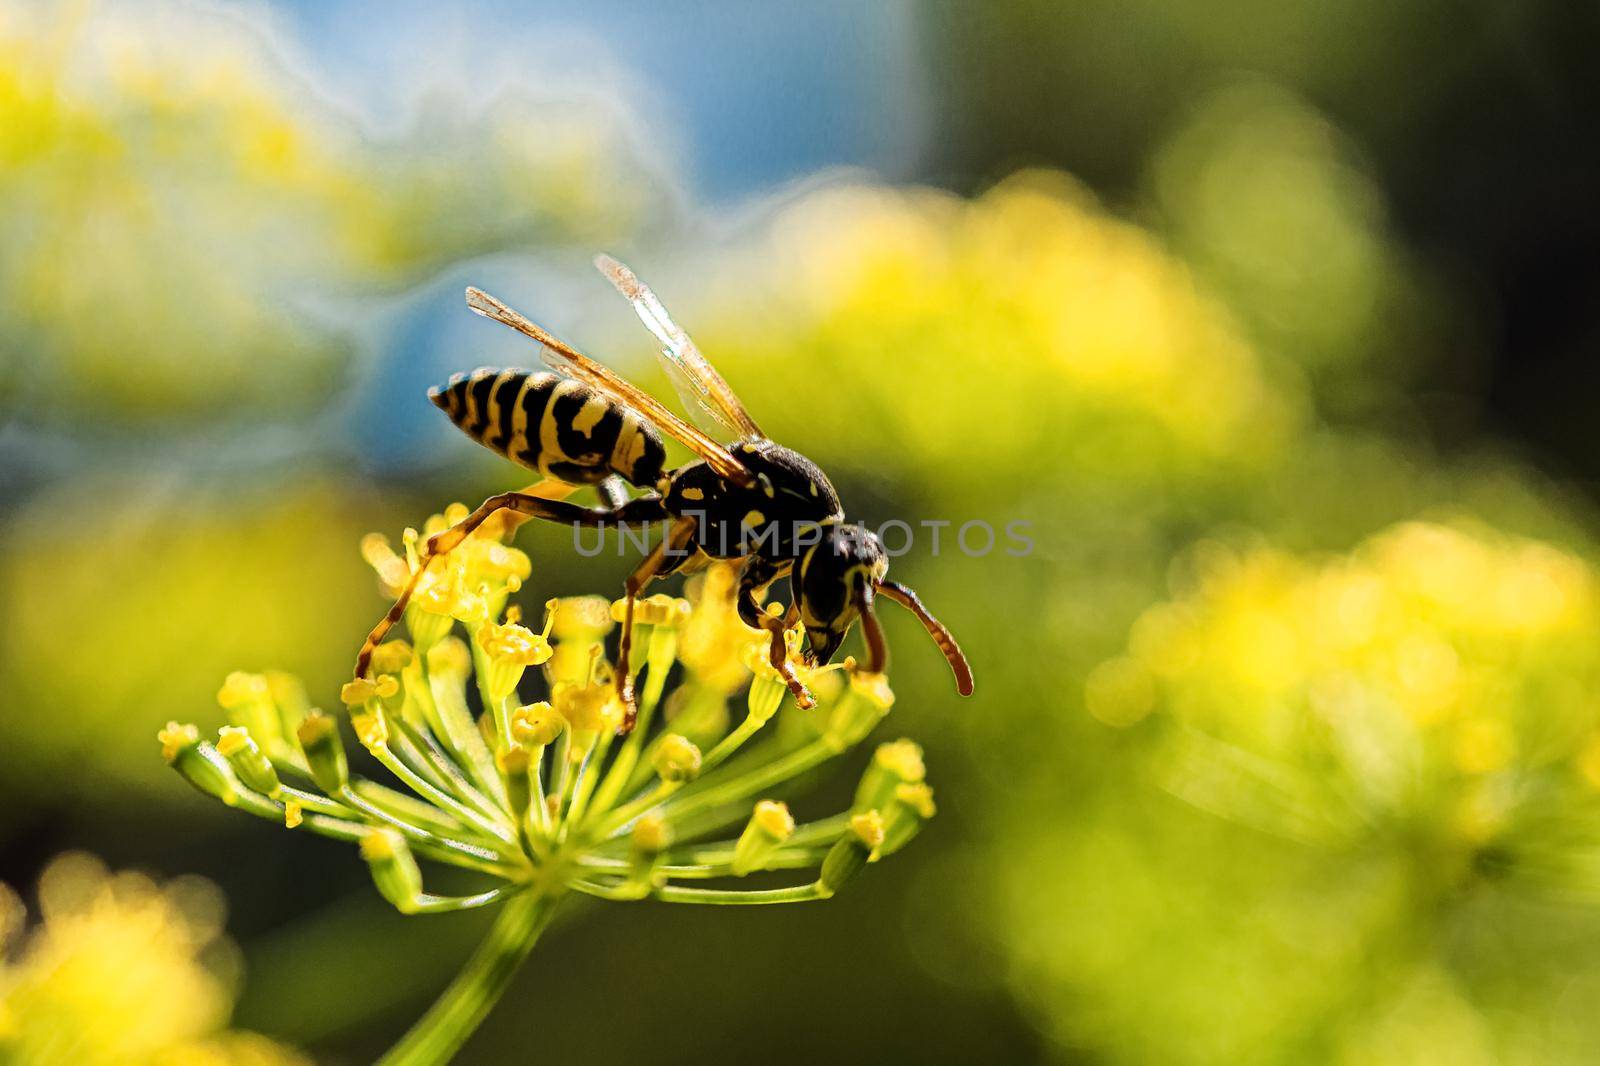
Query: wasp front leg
[(663, 558), (759, 573), (534, 503)]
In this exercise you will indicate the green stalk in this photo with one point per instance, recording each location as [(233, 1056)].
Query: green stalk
[(439, 1034)]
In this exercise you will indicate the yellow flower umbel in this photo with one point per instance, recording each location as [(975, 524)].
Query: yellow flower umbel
[(548, 797), (113, 975), (1439, 678)]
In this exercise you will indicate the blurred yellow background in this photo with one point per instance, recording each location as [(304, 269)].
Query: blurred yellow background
[(1272, 328)]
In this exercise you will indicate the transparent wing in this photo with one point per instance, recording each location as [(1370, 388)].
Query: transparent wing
[(561, 356), (699, 385)]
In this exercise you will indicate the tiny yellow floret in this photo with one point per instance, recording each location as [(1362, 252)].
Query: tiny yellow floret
[(903, 758), (676, 758), (774, 819), (868, 828), (175, 738)]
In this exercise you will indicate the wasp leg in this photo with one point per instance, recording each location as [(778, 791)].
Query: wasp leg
[(758, 575), (677, 540), (526, 504)]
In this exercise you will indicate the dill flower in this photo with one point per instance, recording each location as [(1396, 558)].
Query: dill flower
[(1027, 323), (165, 148), (1439, 677), (1386, 831), (114, 975), (546, 799)]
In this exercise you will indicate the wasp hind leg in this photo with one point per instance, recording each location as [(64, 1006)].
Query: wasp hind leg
[(538, 501), (758, 575)]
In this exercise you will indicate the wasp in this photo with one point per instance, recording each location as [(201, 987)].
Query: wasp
[(744, 498)]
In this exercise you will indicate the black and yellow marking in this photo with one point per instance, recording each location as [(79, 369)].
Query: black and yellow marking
[(560, 427)]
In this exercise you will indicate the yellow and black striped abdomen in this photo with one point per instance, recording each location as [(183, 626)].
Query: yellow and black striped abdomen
[(560, 427)]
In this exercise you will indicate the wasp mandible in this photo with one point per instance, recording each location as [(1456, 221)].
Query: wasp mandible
[(750, 500)]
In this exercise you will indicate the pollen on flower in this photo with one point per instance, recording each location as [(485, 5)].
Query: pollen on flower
[(581, 617), (656, 610), (293, 815), (514, 644), (356, 693)]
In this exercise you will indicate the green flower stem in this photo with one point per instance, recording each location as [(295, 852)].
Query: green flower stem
[(620, 819), (439, 1034), (425, 903), (461, 737), (821, 831), (404, 748), (628, 756), (710, 862), (458, 785), (462, 854), (732, 742), (495, 829), (736, 897), (312, 801), (773, 773)]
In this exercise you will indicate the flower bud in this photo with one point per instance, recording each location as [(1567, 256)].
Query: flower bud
[(198, 762), (391, 657), (657, 610), (319, 739), (510, 648), (536, 724), (371, 729), (249, 762), (912, 805), (676, 758), (770, 825), (394, 869), (588, 708), (845, 860), (248, 700), (651, 835), (892, 765), (862, 708), (868, 828), (766, 693)]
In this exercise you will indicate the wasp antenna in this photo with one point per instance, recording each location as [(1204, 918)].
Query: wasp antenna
[(941, 636)]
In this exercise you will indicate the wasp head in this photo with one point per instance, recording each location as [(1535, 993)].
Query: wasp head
[(838, 580)]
